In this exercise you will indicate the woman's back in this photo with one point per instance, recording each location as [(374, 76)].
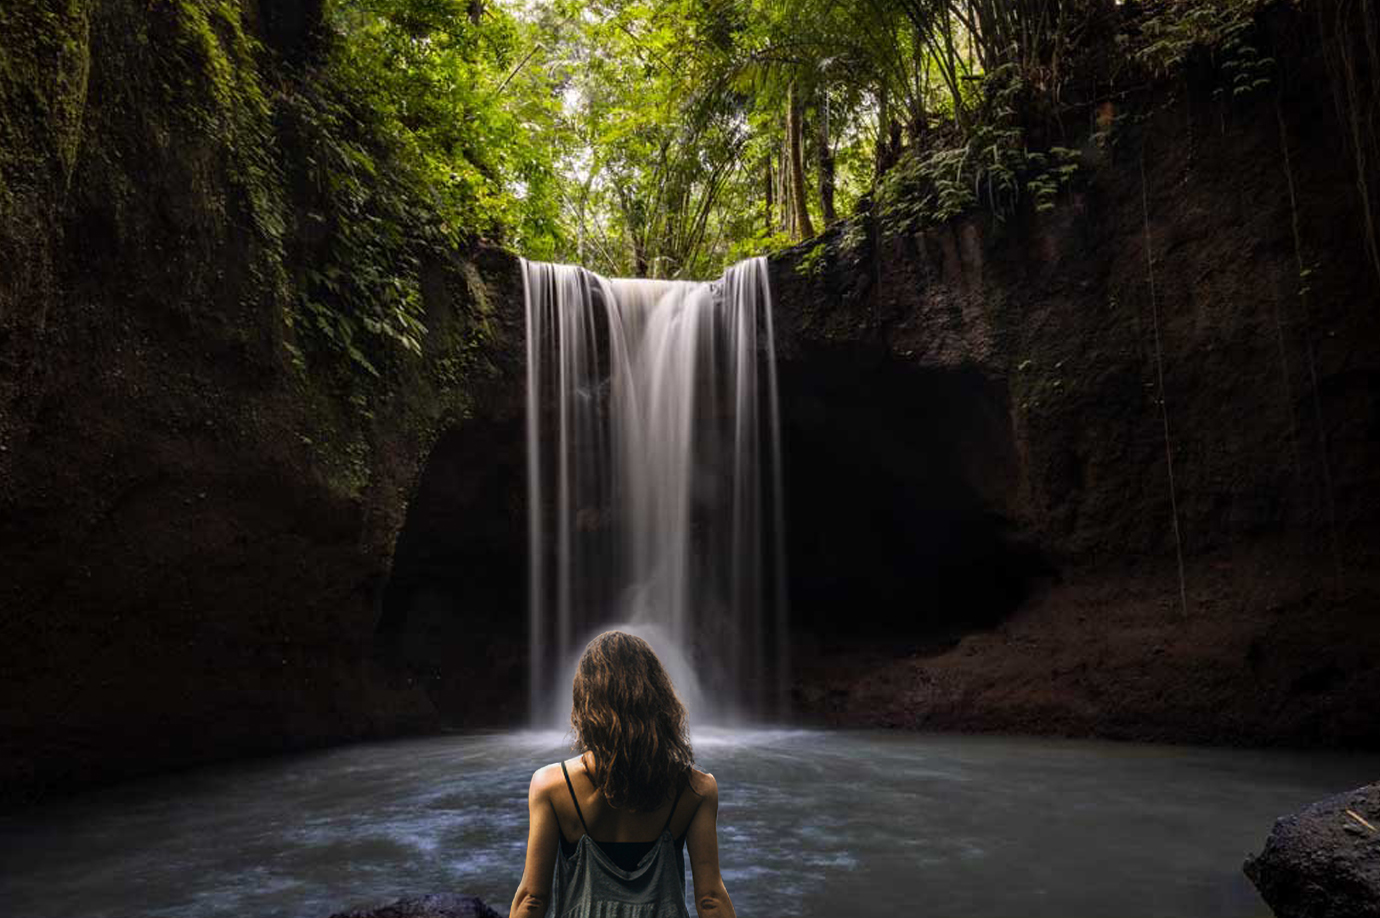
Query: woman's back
[(584, 808), (609, 830), (618, 862)]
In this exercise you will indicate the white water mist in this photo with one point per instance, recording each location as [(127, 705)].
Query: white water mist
[(654, 482)]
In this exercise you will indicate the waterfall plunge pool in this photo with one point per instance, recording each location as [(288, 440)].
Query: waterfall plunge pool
[(811, 824)]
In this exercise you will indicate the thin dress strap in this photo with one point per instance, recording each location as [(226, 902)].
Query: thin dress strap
[(671, 815), (575, 800)]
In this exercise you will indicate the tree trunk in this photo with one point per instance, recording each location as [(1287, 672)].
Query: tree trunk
[(633, 225), (770, 187), (795, 153), (783, 188), (881, 154), (825, 154)]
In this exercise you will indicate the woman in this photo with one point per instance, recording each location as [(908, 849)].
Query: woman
[(593, 846)]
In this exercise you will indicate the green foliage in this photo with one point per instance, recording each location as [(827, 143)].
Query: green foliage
[(1220, 28), (463, 103), (852, 240), (44, 63), (406, 139), (1050, 173), (211, 78), (361, 288), (676, 154), (656, 135), (815, 261), (756, 243), (348, 169), (652, 138), (1246, 69), (992, 167)]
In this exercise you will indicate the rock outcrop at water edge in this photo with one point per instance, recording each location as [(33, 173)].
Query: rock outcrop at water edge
[(444, 905), (1324, 861)]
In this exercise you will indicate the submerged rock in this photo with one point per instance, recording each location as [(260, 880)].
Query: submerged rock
[(1324, 861), (444, 905)]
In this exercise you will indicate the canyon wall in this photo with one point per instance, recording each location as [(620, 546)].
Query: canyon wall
[(198, 503), (212, 547), (1002, 401)]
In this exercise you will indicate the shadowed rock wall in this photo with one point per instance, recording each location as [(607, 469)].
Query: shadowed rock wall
[(1042, 331), (201, 539), (196, 528)]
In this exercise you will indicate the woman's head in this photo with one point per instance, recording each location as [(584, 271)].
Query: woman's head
[(627, 715)]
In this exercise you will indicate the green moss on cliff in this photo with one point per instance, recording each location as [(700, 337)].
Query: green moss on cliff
[(230, 100), (209, 73), (45, 61), (366, 227), (156, 159), (45, 64)]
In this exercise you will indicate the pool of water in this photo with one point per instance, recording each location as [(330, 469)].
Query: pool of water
[(811, 824)]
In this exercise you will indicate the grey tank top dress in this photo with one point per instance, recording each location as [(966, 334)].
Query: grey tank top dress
[(620, 879)]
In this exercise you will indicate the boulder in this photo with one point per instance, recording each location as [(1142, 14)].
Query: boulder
[(444, 905), (1324, 861)]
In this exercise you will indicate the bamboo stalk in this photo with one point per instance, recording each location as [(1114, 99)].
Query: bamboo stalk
[(1357, 816)]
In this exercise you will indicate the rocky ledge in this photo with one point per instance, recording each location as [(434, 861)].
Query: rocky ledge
[(1324, 861), (444, 905)]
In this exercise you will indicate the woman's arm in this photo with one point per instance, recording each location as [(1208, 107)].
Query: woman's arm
[(533, 895), (702, 841)]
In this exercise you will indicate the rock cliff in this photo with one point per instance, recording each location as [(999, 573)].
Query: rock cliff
[(1117, 462), (216, 542)]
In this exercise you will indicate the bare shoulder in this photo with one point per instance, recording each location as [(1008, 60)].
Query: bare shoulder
[(703, 783), (544, 780)]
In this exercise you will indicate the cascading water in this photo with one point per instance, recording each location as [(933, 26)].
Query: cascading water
[(654, 481)]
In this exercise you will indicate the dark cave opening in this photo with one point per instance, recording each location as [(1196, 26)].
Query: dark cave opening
[(454, 611), (898, 487)]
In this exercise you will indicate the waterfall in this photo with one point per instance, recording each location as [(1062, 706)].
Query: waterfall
[(654, 482)]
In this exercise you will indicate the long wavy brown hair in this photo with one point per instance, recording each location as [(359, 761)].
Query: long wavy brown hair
[(626, 714)]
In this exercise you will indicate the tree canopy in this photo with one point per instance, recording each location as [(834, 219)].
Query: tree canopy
[(671, 137)]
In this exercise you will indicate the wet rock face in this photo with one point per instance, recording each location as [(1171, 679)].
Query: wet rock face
[(444, 905), (196, 529), (1324, 861), (209, 555), (1001, 438), (897, 476), (454, 609)]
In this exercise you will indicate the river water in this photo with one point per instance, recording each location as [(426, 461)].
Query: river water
[(811, 824)]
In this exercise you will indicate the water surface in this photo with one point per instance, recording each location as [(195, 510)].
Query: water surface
[(811, 824)]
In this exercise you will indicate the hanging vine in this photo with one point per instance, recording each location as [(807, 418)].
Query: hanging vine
[(1304, 273), (1159, 373)]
